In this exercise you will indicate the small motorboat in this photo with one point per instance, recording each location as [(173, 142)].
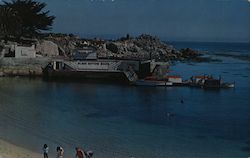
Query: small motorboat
[(228, 85)]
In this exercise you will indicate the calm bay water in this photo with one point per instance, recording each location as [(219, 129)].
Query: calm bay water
[(126, 121)]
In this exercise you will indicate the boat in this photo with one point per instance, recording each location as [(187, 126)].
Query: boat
[(152, 83), (209, 82), (228, 85), (175, 79)]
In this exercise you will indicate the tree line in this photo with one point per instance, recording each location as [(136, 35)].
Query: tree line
[(24, 18)]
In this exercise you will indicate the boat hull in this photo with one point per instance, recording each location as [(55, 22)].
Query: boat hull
[(85, 75), (153, 83)]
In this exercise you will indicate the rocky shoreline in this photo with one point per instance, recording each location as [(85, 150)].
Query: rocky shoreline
[(143, 47), (61, 46)]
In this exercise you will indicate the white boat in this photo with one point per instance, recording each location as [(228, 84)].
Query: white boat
[(152, 83), (228, 85)]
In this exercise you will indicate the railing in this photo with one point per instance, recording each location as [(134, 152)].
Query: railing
[(111, 66)]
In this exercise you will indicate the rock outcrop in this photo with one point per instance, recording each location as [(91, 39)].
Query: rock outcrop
[(47, 48), (142, 47), (188, 53)]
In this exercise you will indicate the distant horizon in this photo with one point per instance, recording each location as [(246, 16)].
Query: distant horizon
[(164, 39), (189, 20)]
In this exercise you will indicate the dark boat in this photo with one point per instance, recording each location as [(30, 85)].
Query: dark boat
[(212, 83), (208, 82)]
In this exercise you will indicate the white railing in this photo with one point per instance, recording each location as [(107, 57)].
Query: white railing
[(97, 65)]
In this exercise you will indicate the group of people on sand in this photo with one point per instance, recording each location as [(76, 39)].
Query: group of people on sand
[(80, 153)]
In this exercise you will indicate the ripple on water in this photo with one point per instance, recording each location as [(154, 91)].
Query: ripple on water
[(200, 137), (97, 115), (237, 74), (245, 149), (248, 142), (245, 76)]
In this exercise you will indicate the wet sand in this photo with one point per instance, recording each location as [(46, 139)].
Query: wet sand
[(8, 150)]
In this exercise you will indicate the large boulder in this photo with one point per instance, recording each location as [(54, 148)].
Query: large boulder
[(47, 48), (189, 53), (141, 47)]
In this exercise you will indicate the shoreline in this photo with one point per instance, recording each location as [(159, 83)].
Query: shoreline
[(8, 150)]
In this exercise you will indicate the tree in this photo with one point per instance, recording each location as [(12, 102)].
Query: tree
[(9, 22), (30, 16)]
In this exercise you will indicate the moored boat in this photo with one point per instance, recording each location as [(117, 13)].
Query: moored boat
[(153, 83), (209, 82), (228, 85)]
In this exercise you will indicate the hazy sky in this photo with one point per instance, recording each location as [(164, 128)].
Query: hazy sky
[(181, 20)]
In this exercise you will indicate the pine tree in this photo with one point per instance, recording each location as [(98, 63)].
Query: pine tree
[(28, 17)]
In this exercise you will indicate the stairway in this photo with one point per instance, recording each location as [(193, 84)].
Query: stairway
[(115, 65), (131, 75)]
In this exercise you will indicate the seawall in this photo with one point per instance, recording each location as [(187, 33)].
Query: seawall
[(30, 67)]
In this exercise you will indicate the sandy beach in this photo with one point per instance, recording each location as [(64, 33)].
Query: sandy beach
[(8, 150)]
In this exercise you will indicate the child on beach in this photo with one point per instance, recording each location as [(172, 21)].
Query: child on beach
[(60, 152), (45, 151)]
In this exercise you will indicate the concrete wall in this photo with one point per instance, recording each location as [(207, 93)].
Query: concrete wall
[(22, 66)]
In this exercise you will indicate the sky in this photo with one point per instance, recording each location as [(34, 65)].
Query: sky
[(173, 20)]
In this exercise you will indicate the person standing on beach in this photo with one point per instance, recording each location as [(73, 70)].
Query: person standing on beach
[(45, 151), (60, 152), (79, 153)]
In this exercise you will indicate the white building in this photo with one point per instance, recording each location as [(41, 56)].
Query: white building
[(25, 52)]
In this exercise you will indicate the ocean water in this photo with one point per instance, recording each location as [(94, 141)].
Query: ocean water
[(215, 47), (118, 121)]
